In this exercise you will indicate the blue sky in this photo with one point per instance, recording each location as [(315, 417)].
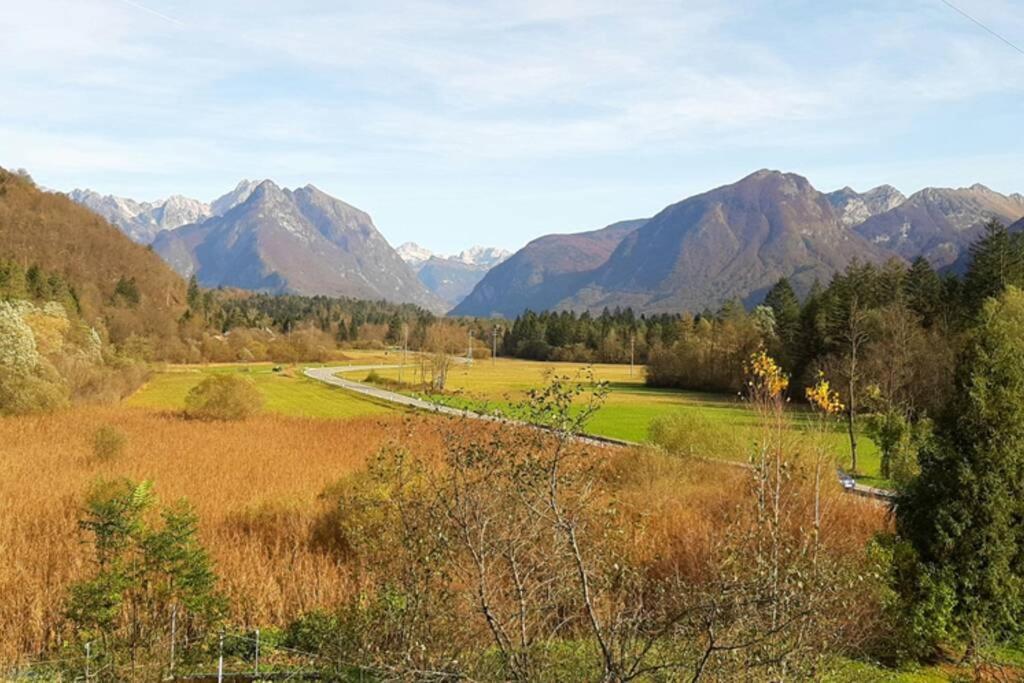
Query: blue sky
[(454, 123)]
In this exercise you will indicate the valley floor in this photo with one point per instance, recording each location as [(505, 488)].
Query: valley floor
[(257, 485), (722, 426)]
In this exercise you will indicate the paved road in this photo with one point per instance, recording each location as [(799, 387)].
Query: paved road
[(330, 376)]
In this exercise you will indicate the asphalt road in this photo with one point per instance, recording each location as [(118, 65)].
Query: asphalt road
[(330, 376)]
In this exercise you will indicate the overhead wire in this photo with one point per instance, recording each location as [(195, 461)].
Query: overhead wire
[(982, 25)]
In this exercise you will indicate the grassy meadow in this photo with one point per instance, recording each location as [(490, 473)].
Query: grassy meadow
[(721, 425), (285, 392)]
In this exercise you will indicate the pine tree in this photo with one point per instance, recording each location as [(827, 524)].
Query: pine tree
[(127, 291), (342, 334), (786, 308), (964, 515), (923, 291), (997, 261), (394, 333), (194, 295)]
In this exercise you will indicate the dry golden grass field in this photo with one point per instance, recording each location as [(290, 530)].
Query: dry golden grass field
[(255, 486)]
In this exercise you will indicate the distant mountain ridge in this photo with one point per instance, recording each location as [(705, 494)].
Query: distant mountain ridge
[(477, 255), (143, 220), (300, 241), (451, 277), (544, 272), (855, 207), (735, 242), (731, 242), (940, 223)]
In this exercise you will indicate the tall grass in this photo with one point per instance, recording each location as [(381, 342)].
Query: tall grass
[(254, 484)]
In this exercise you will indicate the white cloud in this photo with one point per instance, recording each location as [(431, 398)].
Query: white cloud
[(449, 88)]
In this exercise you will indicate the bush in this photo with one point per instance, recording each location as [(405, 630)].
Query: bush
[(108, 442), (36, 392), (693, 434), (223, 397), (313, 632)]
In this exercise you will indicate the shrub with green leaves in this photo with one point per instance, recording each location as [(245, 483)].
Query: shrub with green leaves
[(223, 397), (692, 434), (108, 442), (150, 568)]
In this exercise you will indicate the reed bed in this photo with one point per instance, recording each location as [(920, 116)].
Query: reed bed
[(256, 487)]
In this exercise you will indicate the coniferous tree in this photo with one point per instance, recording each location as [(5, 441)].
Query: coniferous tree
[(786, 308), (194, 294), (997, 261), (394, 333), (922, 288), (963, 518), (127, 291), (854, 294)]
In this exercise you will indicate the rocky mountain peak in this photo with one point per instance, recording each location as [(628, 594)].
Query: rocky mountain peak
[(853, 208), (939, 223), (413, 254), (226, 202), (300, 241), (482, 256)]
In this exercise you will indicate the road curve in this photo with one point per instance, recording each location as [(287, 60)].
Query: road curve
[(330, 376)]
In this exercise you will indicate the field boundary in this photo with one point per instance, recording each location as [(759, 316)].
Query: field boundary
[(329, 375)]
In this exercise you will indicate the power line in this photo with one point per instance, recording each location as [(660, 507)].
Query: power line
[(985, 28), (153, 12)]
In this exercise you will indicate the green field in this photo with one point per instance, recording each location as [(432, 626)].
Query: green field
[(723, 427), (722, 422), (287, 392)]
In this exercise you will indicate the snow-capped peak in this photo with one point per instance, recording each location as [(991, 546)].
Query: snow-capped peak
[(483, 256), (414, 254)]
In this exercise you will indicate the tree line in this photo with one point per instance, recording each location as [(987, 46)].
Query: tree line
[(613, 336), (887, 337)]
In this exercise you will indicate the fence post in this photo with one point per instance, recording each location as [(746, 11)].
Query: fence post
[(220, 659), (174, 631), (88, 652), (257, 667)]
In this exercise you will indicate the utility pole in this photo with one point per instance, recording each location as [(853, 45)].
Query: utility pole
[(469, 352), (494, 342), (405, 349)]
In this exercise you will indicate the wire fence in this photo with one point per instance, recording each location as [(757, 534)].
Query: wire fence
[(261, 659)]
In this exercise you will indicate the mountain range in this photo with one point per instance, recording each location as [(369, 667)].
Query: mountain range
[(451, 277), (939, 223), (300, 241), (142, 221), (735, 242), (732, 242), (273, 247)]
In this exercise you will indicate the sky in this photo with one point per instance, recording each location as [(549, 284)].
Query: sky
[(480, 122)]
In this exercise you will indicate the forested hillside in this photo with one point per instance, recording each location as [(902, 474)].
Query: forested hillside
[(121, 288)]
